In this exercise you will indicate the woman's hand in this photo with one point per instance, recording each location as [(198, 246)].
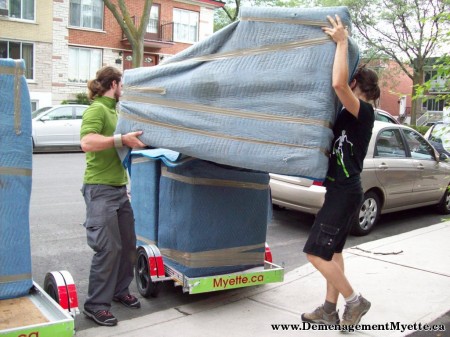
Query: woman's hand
[(340, 79), (337, 31)]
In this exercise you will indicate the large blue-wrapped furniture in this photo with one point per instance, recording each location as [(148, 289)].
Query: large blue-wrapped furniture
[(206, 218), (15, 180), (256, 94)]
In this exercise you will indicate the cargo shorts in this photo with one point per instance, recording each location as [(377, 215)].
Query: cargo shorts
[(334, 221)]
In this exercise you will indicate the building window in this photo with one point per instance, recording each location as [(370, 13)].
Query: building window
[(431, 104), (153, 22), (86, 14), (19, 50), (4, 7), (438, 84), (185, 25), (19, 9), (83, 64)]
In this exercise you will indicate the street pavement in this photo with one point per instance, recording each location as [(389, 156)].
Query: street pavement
[(406, 277)]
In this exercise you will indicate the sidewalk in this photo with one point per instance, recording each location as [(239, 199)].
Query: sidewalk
[(409, 287)]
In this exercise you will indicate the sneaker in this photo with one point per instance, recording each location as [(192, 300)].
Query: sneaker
[(129, 301), (101, 317), (319, 316), (354, 312)]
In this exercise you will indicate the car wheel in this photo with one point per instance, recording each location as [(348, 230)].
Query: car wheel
[(368, 215), (444, 204)]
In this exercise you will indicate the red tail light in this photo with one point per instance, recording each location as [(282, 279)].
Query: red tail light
[(317, 183), (268, 254)]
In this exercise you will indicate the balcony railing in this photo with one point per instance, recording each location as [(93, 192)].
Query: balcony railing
[(430, 116), (157, 32)]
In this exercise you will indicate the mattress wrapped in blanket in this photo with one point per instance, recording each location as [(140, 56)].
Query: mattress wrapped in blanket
[(256, 94), (15, 180), (212, 218)]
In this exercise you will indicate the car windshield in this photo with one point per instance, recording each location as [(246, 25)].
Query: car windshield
[(441, 134), (384, 117), (39, 111)]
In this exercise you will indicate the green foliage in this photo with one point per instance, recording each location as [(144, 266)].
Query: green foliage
[(230, 12), (441, 68), (80, 98), (422, 129)]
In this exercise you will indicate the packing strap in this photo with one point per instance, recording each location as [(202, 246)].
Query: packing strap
[(15, 171), (18, 71), (14, 278), (235, 256)]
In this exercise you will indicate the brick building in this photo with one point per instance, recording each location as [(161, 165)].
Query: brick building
[(64, 42)]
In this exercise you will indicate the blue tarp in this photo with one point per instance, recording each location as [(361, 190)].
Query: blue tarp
[(256, 94)]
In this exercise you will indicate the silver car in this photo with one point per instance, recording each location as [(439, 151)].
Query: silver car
[(401, 171), (57, 127), (384, 116)]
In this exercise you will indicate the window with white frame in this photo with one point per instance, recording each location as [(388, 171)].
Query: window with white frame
[(153, 22), (86, 14), (185, 28), (20, 9), (19, 50), (83, 64)]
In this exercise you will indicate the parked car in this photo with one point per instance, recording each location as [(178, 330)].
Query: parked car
[(401, 171), (384, 116), (439, 136), (57, 127)]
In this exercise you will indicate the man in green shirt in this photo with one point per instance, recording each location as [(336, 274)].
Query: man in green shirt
[(109, 216)]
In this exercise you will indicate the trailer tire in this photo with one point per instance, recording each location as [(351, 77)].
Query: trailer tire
[(145, 285)]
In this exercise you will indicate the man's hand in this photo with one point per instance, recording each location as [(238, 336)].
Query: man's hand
[(94, 142), (131, 139)]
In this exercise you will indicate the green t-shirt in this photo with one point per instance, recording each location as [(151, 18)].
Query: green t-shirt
[(102, 167)]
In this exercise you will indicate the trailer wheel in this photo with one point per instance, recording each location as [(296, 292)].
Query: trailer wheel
[(51, 287), (145, 285), (60, 287)]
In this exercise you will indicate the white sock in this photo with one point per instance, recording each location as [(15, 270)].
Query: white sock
[(352, 299)]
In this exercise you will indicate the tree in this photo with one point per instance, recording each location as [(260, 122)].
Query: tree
[(441, 69), (135, 35), (230, 12), (407, 31)]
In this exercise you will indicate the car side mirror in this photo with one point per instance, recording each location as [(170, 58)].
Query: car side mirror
[(44, 118)]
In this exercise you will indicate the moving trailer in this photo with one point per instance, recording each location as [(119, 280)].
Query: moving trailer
[(199, 224), (151, 270)]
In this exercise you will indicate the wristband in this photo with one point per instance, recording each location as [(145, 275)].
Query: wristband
[(118, 141)]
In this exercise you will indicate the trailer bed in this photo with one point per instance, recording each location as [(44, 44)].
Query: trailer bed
[(35, 314)]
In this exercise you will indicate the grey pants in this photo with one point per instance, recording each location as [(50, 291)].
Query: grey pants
[(110, 233)]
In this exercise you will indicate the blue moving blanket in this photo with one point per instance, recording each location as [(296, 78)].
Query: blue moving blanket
[(256, 94), (15, 180), (212, 218)]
